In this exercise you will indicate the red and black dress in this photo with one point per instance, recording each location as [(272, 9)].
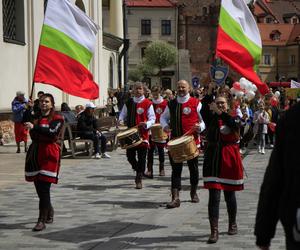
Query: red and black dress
[(222, 167), (43, 156)]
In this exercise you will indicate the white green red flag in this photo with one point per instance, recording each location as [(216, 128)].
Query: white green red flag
[(239, 42), (67, 44)]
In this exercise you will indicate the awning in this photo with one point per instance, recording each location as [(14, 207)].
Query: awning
[(280, 84)]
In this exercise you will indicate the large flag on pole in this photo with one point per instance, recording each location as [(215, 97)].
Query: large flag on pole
[(239, 43), (67, 44)]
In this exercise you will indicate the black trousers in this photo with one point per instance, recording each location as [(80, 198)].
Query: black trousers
[(177, 170), (96, 138), (291, 245), (161, 154), (214, 203), (139, 163), (43, 192)]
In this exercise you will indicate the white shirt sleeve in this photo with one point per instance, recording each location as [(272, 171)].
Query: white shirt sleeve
[(123, 114), (151, 117), (202, 124), (165, 117)]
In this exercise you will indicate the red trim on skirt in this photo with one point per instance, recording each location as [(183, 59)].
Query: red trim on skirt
[(21, 133)]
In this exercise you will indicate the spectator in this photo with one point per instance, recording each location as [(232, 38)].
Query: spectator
[(169, 95), (280, 190), (78, 110), (112, 104), (19, 105), (68, 115), (87, 127)]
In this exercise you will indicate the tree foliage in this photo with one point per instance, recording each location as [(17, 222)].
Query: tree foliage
[(160, 54)]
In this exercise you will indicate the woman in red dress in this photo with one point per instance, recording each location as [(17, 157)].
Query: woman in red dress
[(43, 157), (222, 167)]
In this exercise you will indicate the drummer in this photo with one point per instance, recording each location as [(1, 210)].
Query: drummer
[(159, 104), (138, 111), (182, 115)]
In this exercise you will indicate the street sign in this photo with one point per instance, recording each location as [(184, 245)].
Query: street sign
[(218, 73), (195, 82)]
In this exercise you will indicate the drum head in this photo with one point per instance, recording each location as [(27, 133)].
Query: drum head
[(156, 125), (180, 140), (127, 132)]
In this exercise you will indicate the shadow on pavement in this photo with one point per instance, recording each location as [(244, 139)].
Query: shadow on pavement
[(97, 187), (145, 243), (97, 231), (131, 204)]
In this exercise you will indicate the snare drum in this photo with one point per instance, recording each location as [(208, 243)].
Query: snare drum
[(183, 148), (129, 138), (157, 133)]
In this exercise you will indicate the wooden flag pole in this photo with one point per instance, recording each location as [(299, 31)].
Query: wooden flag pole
[(32, 89)]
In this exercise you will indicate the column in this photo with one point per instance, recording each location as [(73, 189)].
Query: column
[(116, 18)]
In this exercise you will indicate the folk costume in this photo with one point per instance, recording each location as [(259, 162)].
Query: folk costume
[(222, 167), (182, 114), (159, 106), (135, 111), (43, 161)]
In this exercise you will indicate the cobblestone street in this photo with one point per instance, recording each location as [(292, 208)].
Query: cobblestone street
[(97, 207)]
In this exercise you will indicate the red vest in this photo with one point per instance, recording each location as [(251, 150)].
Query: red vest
[(159, 109)]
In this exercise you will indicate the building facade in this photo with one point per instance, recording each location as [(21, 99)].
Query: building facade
[(20, 27), (149, 21), (279, 25)]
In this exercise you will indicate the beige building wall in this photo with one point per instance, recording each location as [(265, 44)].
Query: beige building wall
[(138, 41), (17, 62), (287, 63)]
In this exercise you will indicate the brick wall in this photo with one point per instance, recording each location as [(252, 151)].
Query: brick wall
[(197, 29)]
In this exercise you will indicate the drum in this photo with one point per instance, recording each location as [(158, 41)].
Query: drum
[(183, 148), (129, 138), (157, 133)]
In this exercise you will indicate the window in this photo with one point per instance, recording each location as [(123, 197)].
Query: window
[(13, 21), (166, 27), (204, 11), (294, 20), (143, 52), (292, 59), (267, 59), (269, 20), (146, 27)]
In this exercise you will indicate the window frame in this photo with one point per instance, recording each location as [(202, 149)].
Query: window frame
[(269, 56), (17, 36), (146, 27), (166, 25)]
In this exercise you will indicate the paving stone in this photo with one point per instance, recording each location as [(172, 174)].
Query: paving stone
[(97, 207)]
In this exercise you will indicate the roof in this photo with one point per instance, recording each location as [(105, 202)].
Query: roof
[(151, 3), (288, 33), (279, 9)]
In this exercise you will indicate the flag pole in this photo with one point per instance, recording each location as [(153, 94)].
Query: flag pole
[(32, 89)]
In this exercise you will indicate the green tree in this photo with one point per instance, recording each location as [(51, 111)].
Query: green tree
[(159, 55)]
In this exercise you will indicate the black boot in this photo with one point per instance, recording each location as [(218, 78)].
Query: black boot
[(50, 216), (214, 232), (161, 169), (40, 225), (194, 196), (232, 227), (175, 199), (138, 180)]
